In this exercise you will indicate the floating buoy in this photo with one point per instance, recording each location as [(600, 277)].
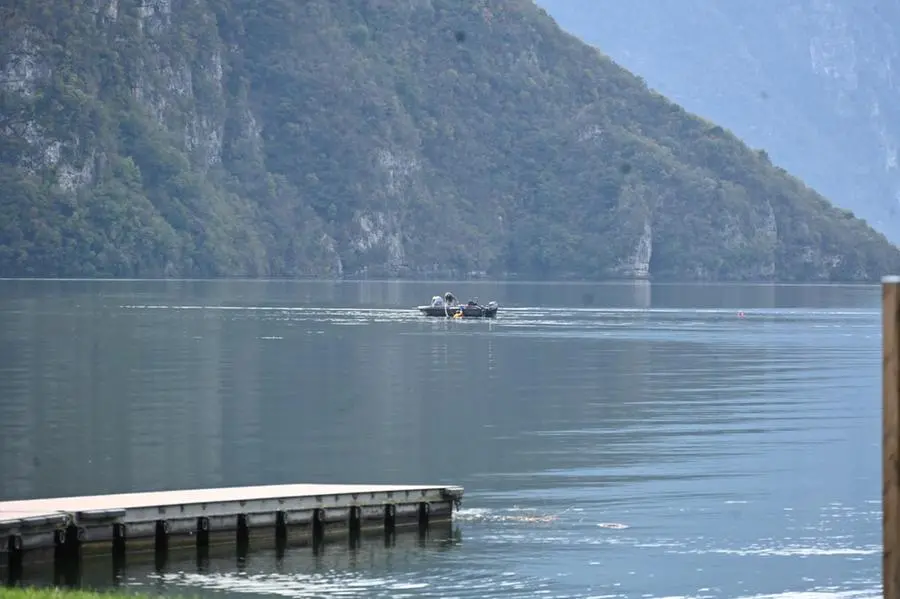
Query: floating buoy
[(740, 314)]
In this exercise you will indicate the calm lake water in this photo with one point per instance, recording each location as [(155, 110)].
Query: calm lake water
[(739, 455)]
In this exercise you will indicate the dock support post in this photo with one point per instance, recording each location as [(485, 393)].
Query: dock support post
[(67, 541), (354, 522), (890, 317), (161, 537), (390, 524), (424, 512), (67, 554), (119, 535), (318, 525), (281, 534), (14, 550), (243, 531), (390, 517), (280, 526), (202, 532)]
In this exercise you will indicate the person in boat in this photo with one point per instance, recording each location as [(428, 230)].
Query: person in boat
[(450, 299), (437, 302)]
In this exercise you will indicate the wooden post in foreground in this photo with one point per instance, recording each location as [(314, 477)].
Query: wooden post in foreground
[(890, 410)]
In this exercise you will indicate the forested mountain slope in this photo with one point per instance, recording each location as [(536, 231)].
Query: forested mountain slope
[(332, 137), (813, 82)]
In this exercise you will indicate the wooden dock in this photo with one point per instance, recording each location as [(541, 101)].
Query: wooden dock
[(66, 524)]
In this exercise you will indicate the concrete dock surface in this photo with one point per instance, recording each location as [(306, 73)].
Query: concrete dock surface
[(43, 508)]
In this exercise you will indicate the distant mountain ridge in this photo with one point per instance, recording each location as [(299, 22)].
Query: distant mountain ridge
[(813, 82), (335, 138)]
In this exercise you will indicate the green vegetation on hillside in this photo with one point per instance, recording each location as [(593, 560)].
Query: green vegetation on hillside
[(329, 137)]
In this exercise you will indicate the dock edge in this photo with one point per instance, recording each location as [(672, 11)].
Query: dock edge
[(68, 523)]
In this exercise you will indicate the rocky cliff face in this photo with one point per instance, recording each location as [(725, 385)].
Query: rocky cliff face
[(341, 137), (812, 82)]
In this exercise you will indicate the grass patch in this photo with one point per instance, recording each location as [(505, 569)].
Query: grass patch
[(58, 593)]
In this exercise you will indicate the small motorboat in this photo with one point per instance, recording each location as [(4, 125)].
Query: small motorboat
[(448, 307)]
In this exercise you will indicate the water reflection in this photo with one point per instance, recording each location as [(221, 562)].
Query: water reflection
[(299, 567)]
